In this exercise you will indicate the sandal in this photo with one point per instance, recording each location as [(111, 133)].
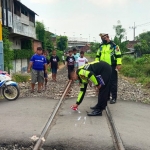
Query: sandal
[(39, 91)]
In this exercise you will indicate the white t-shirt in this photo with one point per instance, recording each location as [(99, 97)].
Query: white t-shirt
[(81, 61)]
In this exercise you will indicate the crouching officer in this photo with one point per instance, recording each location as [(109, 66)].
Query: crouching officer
[(110, 53), (99, 73)]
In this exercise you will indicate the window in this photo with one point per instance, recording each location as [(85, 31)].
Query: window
[(32, 17), (17, 9), (24, 11)]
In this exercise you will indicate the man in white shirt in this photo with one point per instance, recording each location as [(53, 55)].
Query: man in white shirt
[(81, 60)]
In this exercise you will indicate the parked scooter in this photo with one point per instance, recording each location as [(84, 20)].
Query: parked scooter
[(9, 89)]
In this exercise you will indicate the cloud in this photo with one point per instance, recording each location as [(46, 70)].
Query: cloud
[(44, 1)]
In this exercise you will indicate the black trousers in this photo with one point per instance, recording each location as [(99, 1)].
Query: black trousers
[(104, 90), (113, 83), (70, 70)]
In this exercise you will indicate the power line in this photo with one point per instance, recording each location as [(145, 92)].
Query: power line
[(142, 24), (135, 26)]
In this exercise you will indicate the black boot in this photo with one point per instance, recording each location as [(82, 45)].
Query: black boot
[(95, 113), (112, 101)]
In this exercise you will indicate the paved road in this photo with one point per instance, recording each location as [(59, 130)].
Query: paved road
[(76, 131), (133, 123), (23, 118)]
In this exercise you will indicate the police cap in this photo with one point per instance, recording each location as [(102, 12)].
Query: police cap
[(102, 34)]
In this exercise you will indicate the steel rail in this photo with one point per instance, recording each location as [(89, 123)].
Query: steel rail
[(45, 131), (117, 137)]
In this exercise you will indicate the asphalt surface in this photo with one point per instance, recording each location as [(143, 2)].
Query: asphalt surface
[(132, 120), (26, 117), (74, 130), (23, 118)]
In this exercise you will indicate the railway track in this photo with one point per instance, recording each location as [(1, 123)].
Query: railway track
[(69, 92)]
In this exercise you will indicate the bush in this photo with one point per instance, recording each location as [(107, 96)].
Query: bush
[(128, 59), (140, 61), (21, 77), (91, 55), (129, 71)]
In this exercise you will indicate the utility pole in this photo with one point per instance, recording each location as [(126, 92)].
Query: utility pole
[(134, 27)]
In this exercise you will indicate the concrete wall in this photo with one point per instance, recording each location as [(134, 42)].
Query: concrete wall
[(19, 65), (22, 26)]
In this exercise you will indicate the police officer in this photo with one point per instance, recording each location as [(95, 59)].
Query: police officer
[(110, 53), (99, 73)]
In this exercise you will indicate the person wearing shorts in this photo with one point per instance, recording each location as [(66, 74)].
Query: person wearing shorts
[(37, 63), (54, 65)]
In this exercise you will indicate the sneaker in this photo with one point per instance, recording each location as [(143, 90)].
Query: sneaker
[(112, 101)]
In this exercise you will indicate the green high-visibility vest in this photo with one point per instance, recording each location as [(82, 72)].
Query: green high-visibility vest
[(109, 53)]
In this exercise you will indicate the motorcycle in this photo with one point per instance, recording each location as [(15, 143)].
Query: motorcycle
[(9, 89)]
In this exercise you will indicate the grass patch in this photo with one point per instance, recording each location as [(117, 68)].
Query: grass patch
[(18, 77), (139, 69)]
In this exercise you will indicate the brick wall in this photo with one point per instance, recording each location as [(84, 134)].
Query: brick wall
[(36, 44)]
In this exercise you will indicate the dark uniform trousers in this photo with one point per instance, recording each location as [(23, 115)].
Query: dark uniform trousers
[(105, 89), (113, 83)]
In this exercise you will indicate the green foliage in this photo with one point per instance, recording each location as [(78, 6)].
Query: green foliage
[(48, 44), (145, 36), (94, 47), (44, 36), (120, 32), (40, 33), (21, 54), (127, 60), (129, 71), (62, 42), (21, 77), (91, 55), (7, 51), (142, 48), (137, 68), (120, 35)]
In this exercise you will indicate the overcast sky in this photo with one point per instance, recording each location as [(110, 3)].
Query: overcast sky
[(88, 18)]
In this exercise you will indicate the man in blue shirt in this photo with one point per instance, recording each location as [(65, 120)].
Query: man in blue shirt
[(37, 62)]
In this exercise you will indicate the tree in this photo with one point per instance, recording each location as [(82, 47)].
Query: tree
[(40, 33), (141, 48), (7, 50), (120, 32), (48, 42), (94, 47), (146, 37), (62, 42), (120, 35)]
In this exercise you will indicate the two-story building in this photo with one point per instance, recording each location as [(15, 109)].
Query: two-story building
[(20, 21)]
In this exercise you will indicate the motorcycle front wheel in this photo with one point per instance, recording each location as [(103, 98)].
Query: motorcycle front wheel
[(11, 92)]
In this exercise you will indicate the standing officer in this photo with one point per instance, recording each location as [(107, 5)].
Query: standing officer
[(110, 53)]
